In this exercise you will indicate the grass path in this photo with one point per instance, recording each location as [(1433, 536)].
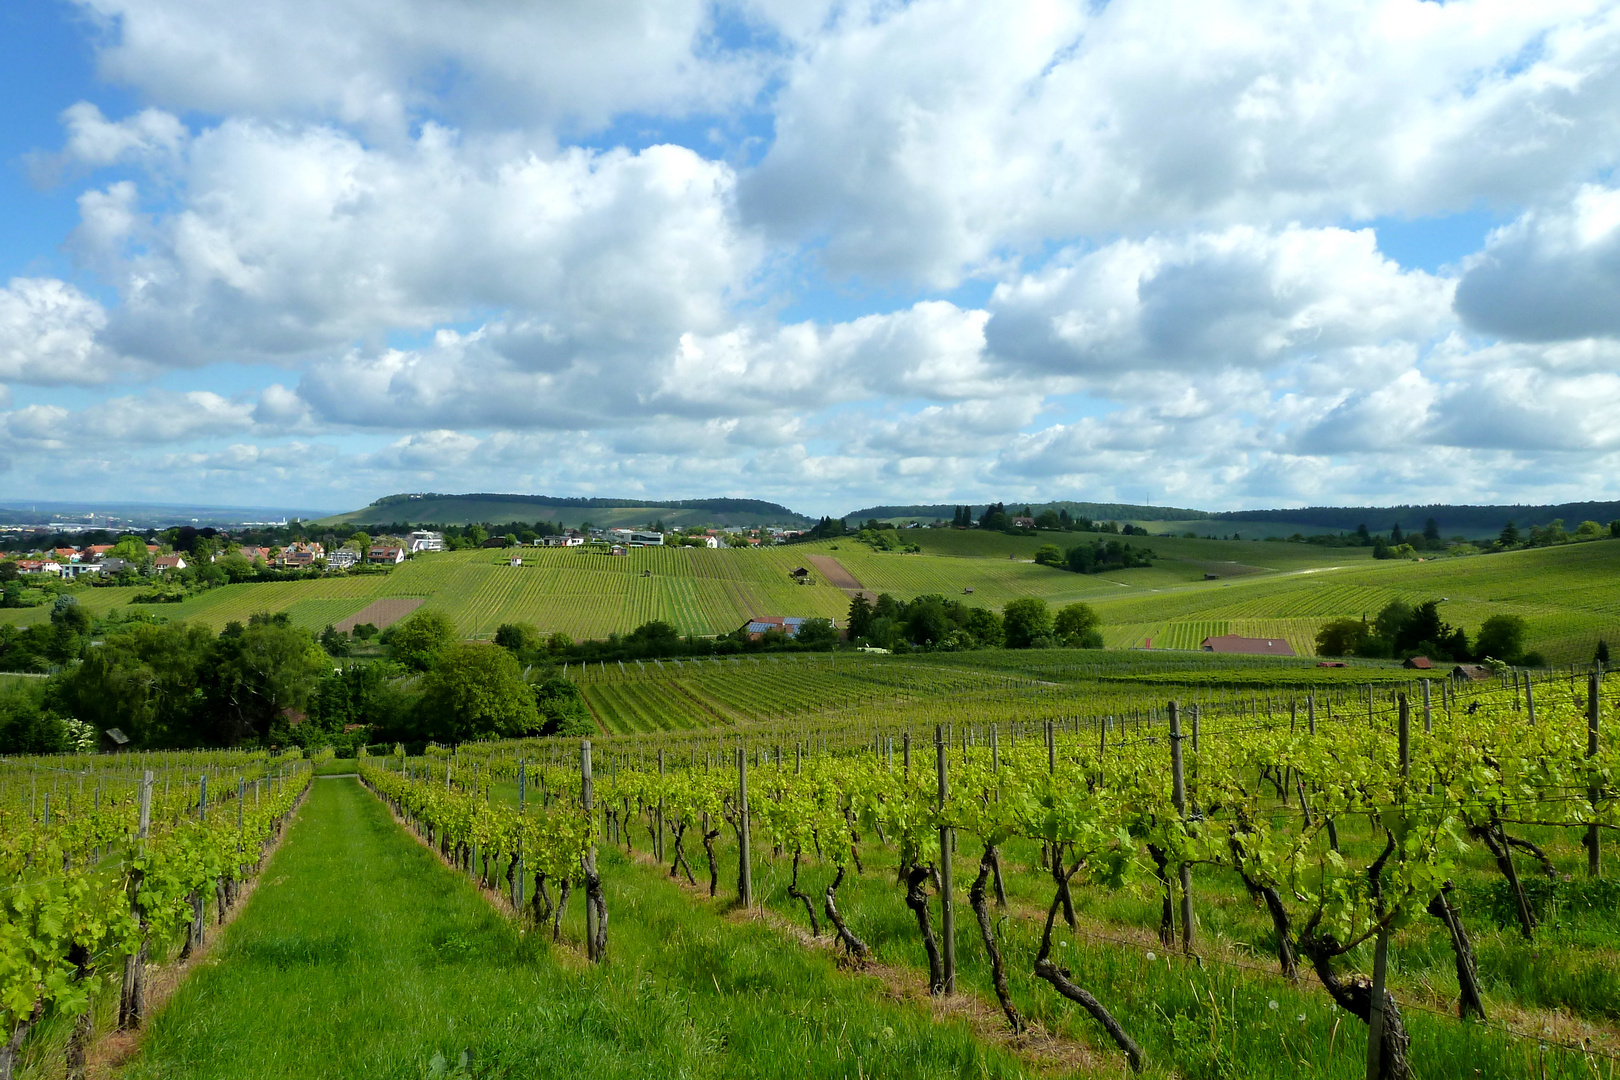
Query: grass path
[(361, 955)]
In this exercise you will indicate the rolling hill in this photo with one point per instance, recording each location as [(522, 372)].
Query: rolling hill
[(1570, 596), (434, 509)]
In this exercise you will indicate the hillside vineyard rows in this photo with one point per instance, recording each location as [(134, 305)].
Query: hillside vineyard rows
[(1568, 596), (107, 865), (1272, 879), (639, 696)]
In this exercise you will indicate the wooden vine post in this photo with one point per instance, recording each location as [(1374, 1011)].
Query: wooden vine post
[(132, 999), (947, 909), (1375, 1015), (1592, 684), (588, 803), (1178, 795), (745, 863), (520, 868), (658, 835)]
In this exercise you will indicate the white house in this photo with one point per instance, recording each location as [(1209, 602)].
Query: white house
[(168, 562), (342, 558), (387, 555), (422, 540)]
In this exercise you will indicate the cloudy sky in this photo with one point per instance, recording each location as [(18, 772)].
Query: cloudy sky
[(1208, 254)]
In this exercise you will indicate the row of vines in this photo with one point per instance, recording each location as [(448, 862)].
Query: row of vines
[(1346, 826)]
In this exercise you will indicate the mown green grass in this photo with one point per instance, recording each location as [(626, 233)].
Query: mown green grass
[(1230, 1016), (361, 955)]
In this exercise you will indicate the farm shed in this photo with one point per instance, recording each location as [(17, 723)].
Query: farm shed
[(1471, 672), (1247, 646), (1419, 663)]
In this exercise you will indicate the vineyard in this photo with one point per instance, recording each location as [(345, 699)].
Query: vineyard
[(109, 868), (1569, 596), (681, 695), (1182, 866), (1225, 889)]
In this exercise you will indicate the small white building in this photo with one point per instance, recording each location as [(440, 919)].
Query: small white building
[(422, 540), (516, 560)]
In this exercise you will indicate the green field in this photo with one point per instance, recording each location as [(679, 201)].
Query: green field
[(1569, 595)]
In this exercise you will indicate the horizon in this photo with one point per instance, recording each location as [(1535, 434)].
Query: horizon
[(266, 257), (156, 519)]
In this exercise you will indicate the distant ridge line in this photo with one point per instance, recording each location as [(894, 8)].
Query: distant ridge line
[(719, 505), (1451, 517)]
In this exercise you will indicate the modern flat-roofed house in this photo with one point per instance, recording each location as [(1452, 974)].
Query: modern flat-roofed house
[(422, 540), (1247, 646), (391, 556), (640, 538), (74, 571), (342, 558), (567, 539)]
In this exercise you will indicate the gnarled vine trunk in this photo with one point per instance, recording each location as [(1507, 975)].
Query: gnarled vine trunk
[(1058, 977), (917, 901), (998, 969), (854, 945)]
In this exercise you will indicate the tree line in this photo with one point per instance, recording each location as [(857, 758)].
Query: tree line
[(1401, 631), (937, 623)]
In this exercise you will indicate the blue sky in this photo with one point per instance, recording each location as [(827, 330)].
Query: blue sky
[(828, 254)]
